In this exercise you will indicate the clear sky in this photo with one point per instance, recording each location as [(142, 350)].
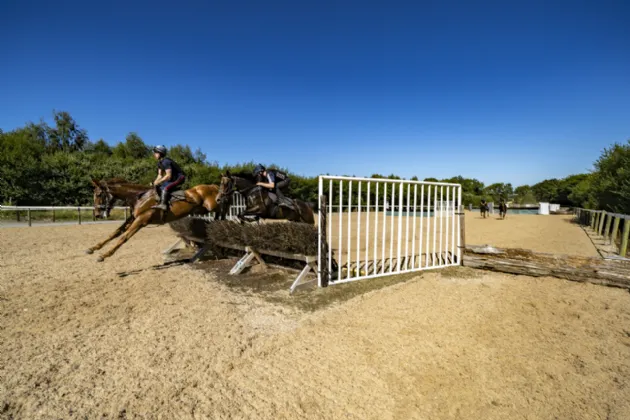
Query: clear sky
[(511, 91)]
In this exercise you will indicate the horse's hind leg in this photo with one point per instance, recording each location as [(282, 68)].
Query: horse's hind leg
[(116, 234), (137, 224)]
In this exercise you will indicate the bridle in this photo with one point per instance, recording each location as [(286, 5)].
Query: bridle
[(107, 198), (226, 188)]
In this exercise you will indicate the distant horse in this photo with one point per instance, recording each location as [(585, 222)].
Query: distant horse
[(196, 200), (502, 210), (484, 209), (258, 202)]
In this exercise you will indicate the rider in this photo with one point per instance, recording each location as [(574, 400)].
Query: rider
[(275, 181), (170, 177)]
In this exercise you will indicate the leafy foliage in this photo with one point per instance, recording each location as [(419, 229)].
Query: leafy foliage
[(47, 165)]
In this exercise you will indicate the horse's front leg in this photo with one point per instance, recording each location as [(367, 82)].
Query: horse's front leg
[(116, 234), (140, 222)]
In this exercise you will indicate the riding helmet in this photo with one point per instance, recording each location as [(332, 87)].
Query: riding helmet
[(160, 149), (258, 169)]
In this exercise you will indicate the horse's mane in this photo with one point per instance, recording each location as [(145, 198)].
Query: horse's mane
[(244, 174)]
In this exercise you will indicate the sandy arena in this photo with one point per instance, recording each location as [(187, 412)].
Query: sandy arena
[(130, 339)]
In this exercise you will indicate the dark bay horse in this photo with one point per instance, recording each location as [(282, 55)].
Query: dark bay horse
[(200, 199), (502, 210), (259, 203)]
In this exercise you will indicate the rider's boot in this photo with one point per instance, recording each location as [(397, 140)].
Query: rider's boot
[(163, 204)]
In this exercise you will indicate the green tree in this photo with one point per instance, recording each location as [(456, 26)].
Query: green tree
[(610, 182)]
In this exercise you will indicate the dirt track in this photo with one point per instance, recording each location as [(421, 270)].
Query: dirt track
[(121, 339)]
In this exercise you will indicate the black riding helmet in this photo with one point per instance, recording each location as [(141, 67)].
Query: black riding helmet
[(258, 169)]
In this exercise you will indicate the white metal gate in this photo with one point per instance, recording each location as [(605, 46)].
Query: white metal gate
[(238, 205), (377, 227)]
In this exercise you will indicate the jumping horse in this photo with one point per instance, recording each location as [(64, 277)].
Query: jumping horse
[(259, 203), (200, 199)]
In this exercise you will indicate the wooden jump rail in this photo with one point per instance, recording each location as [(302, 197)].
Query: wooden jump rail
[(606, 226), (613, 273)]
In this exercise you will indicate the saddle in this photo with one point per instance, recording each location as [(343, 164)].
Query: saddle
[(178, 195)]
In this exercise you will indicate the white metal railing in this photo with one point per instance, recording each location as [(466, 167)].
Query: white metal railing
[(238, 205), (420, 231), (53, 209)]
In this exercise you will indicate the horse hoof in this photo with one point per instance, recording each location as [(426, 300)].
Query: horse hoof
[(100, 259), (89, 251)]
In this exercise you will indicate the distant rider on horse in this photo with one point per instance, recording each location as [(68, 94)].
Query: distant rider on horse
[(275, 180), (170, 177)]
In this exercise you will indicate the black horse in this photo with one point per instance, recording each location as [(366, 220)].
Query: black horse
[(259, 203), (502, 210)]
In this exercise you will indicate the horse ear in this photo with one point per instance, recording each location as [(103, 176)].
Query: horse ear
[(95, 182), (227, 173)]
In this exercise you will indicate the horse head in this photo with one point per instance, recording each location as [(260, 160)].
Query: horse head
[(103, 199), (226, 188)]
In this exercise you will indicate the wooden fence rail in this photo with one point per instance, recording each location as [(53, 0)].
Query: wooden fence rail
[(606, 225)]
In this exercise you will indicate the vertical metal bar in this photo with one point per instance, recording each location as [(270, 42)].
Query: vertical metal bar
[(349, 226), (435, 196), (384, 226), (375, 257), (421, 238), (367, 230), (359, 233), (53, 215), (320, 263), (407, 228), (441, 258), (413, 236), (28, 215), (453, 216), (391, 236), (428, 225), (329, 221), (400, 211), (446, 223), (340, 233), (79, 210), (459, 236)]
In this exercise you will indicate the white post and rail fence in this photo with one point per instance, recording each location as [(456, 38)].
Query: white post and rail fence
[(26, 214)]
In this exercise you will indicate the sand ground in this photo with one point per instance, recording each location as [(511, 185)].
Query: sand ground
[(130, 339)]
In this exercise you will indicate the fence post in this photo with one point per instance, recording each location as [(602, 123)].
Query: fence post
[(607, 227), (79, 211), (600, 226), (615, 229), (624, 238), (53, 215), (17, 215), (125, 213), (28, 214), (594, 220)]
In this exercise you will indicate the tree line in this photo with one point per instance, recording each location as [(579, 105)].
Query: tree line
[(43, 164)]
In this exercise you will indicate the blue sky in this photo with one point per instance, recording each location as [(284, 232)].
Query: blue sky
[(511, 91)]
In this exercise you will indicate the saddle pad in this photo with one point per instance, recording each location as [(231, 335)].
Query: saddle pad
[(178, 196)]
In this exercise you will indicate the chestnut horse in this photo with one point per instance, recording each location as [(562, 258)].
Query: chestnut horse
[(200, 199)]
